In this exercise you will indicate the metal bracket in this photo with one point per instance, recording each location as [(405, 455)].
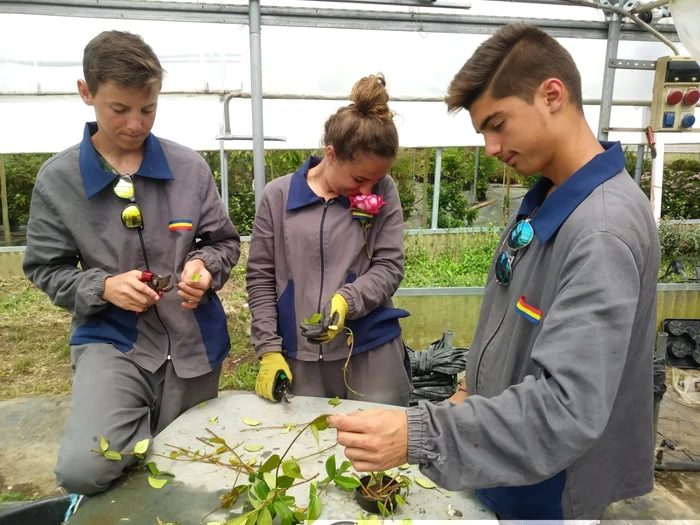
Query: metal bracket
[(621, 63), (227, 125)]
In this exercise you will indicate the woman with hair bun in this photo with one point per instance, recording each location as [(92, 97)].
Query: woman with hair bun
[(326, 257)]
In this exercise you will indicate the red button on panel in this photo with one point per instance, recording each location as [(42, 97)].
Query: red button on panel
[(691, 97), (674, 97)]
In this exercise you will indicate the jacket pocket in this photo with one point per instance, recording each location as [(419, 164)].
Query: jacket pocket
[(287, 320), (112, 325), (213, 327), (379, 326)]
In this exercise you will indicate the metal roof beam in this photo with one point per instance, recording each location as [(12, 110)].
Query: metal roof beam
[(321, 18)]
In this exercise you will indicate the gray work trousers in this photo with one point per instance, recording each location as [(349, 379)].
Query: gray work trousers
[(115, 398), (382, 375)]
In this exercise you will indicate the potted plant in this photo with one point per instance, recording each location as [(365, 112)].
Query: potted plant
[(380, 493)]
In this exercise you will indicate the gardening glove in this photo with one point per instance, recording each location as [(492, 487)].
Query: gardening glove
[(271, 364), (331, 323)]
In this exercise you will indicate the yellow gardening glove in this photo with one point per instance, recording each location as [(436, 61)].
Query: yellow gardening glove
[(271, 364), (331, 323)]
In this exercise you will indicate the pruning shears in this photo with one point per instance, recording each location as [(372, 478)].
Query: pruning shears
[(158, 283), (650, 141), (281, 389)]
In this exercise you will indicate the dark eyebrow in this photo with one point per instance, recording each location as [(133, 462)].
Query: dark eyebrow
[(488, 119)]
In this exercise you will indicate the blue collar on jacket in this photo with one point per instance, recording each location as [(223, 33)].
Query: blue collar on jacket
[(300, 193), (554, 210), (95, 177)]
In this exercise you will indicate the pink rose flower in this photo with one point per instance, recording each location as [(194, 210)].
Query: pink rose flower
[(367, 203)]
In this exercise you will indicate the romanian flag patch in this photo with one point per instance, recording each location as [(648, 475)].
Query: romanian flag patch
[(180, 224), (361, 215), (529, 312)]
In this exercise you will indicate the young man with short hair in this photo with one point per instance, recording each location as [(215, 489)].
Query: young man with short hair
[(558, 420), (128, 233)]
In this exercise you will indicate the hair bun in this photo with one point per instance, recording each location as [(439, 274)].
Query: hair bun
[(370, 97)]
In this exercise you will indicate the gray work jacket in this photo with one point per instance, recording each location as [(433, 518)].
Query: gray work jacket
[(558, 422), (75, 219), (304, 249)]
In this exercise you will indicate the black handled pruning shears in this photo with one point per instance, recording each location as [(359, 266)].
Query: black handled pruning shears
[(282, 388)]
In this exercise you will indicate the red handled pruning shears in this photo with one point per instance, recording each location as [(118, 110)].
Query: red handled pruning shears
[(158, 283)]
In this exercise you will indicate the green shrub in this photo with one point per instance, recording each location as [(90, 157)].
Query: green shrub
[(681, 190), (20, 172), (679, 240)]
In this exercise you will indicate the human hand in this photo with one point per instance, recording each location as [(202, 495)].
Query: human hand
[(271, 364), (458, 397), (191, 289), (331, 324), (128, 292), (374, 440)]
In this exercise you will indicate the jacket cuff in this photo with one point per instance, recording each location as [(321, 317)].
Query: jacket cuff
[(351, 304), (415, 416), (97, 289), (268, 349)]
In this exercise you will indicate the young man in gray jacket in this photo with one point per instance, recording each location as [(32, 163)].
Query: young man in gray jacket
[(558, 420), (128, 233)]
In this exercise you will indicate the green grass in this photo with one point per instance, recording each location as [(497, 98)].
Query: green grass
[(34, 350), (10, 497)]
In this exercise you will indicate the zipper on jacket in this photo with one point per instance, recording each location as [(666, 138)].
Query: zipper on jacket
[(320, 291), (155, 307)]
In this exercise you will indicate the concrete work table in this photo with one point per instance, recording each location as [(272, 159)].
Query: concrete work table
[(197, 486)]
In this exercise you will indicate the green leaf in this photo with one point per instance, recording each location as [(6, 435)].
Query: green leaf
[(448, 494), (221, 450), (253, 517), (426, 484), (153, 468), (330, 465), (195, 277), (261, 489), (250, 422), (399, 499), (314, 431), (270, 479), (264, 518), (382, 509), (272, 463), (291, 469), (174, 454), (344, 466), (347, 483), (252, 461), (315, 505), (141, 447), (334, 402), (104, 444), (284, 482), (213, 419), (113, 455), (315, 319), (321, 422), (202, 404), (240, 520), (286, 430), (405, 466), (157, 483), (407, 522), (218, 440), (284, 512), (350, 340), (253, 448)]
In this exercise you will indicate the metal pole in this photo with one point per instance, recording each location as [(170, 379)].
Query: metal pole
[(223, 158), (609, 76), (640, 165), (257, 100), (436, 189), (476, 173), (3, 200), (657, 178)]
